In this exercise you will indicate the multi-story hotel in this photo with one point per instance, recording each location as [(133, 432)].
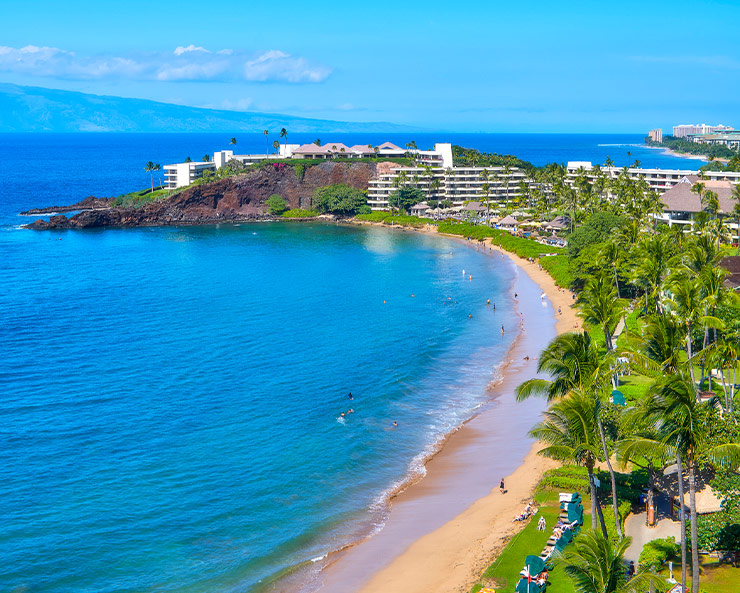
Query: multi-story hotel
[(656, 135), (684, 130), (658, 179), (730, 139), (456, 184)]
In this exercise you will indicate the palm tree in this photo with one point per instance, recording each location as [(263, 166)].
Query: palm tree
[(640, 446), (284, 135), (600, 306), (188, 159), (276, 145), (267, 146), (317, 142), (576, 366), (232, 142), (596, 565), (150, 167), (571, 436), (673, 405), (206, 158)]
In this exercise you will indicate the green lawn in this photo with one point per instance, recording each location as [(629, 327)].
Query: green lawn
[(715, 577), (634, 386), (503, 574)]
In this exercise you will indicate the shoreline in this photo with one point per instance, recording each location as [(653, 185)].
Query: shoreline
[(452, 555)]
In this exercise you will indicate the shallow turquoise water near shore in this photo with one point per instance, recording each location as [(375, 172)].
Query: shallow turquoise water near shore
[(169, 419)]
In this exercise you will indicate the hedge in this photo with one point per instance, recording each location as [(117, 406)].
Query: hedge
[(657, 552)]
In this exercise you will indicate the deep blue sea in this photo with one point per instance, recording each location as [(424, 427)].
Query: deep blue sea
[(172, 397)]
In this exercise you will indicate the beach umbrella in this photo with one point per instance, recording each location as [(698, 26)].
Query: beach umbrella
[(618, 398), (535, 565)]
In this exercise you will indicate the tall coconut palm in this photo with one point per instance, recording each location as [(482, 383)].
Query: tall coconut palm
[(232, 142), (267, 140), (640, 445), (276, 145), (612, 254), (284, 135), (575, 364), (571, 436), (595, 565), (601, 307), (654, 258), (150, 167), (674, 406)]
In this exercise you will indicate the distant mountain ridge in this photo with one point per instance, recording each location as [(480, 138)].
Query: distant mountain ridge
[(37, 109)]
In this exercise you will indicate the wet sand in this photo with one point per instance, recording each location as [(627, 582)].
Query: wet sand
[(443, 531)]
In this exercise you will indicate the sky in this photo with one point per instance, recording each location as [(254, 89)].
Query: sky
[(459, 66)]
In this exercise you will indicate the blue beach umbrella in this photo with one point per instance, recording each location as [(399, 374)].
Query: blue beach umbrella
[(618, 398)]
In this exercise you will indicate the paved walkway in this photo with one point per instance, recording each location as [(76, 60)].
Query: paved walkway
[(641, 534)]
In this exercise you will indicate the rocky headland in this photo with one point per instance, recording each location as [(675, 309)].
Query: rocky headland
[(230, 199)]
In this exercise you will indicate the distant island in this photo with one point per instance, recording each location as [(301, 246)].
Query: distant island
[(36, 109)]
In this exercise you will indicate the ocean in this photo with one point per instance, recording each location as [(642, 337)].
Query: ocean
[(172, 397)]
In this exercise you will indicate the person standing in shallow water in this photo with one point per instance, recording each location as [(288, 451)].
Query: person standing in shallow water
[(502, 487)]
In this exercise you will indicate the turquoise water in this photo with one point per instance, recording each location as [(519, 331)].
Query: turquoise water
[(171, 396)]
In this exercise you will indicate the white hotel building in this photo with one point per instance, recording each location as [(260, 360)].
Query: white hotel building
[(456, 184), (183, 174), (658, 179)]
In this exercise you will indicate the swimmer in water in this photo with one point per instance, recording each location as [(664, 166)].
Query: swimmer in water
[(470, 316), (502, 330), (342, 415), (395, 424), (470, 277), (350, 396), (488, 302)]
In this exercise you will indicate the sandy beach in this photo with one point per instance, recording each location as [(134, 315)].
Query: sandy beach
[(436, 540)]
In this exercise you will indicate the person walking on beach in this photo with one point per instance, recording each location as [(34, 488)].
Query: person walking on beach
[(501, 486)]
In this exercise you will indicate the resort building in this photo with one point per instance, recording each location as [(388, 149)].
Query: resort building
[(681, 205), (658, 179), (684, 130), (457, 185), (183, 174), (730, 139), (656, 135)]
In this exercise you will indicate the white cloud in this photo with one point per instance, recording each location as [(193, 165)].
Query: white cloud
[(277, 65), (179, 50), (185, 63)]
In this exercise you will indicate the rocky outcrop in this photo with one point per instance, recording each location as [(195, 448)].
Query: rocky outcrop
[(90, 203), (241, 197)]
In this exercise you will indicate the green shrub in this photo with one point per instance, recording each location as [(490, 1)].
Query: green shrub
[(657, 552), (299, 213), (558, 267), (276, 205), (340, 198)]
